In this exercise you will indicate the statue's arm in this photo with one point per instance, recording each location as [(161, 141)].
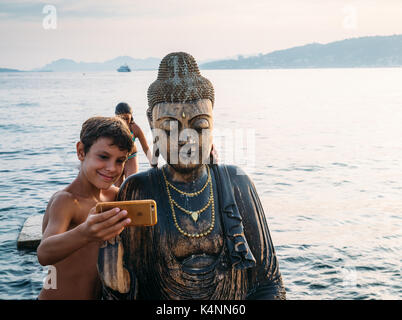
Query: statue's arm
[(269, 279), (266, 281)]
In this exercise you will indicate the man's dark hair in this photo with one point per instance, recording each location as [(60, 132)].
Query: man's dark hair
[(123, 108), (106, 127)]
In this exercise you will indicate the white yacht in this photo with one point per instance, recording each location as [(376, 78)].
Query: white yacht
[(124, 68)]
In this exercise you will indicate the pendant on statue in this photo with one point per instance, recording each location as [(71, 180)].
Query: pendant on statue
[(194, 215)]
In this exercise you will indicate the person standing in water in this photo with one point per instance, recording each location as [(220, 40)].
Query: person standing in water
[(124, 111)]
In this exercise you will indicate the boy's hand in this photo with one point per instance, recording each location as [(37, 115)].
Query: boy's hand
[(104, 226)]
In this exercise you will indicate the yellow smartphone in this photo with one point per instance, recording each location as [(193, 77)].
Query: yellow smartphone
[(141, 212)]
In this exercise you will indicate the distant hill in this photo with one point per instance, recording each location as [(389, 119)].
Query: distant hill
[(9, 70), (377, 51), (109, 65)]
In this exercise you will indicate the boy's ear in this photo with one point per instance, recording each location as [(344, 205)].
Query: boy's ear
[(80, 151)]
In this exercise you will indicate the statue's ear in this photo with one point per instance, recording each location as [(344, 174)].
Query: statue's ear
[(155, 152), (149, 117)]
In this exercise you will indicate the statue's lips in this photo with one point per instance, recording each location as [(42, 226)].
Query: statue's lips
[(189, 148)]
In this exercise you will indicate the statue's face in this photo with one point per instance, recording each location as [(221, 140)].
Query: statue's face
[(184, 132)]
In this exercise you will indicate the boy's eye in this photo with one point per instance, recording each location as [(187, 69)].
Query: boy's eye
[(103, 157)]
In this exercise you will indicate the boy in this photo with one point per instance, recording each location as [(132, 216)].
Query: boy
[(72, 231)]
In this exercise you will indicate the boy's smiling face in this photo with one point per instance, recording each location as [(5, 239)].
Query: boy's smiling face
[(103, 164)]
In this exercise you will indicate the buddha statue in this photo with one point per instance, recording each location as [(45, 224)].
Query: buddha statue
[(212, 239)]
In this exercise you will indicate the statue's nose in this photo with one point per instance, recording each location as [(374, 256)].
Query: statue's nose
[(184, 140), (189, 140)]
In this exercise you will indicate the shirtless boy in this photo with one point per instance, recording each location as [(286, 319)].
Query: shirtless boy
[(72, 231)]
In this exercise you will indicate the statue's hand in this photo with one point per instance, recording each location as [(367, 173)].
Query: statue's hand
[(110, 266)]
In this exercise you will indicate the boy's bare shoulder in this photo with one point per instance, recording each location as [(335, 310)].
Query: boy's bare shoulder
[(61, 207), (62, 197)]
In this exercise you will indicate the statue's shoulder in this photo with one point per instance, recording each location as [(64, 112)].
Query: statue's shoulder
[(142, 176), (237, 175), (141, 180)]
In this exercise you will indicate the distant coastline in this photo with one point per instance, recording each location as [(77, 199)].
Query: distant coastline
[(9, 70), (69, 65), (363, 52)]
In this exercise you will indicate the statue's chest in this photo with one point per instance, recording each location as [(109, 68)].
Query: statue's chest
[(188, 234), (189, 220)]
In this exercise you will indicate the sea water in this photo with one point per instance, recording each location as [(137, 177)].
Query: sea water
[(323, 147)]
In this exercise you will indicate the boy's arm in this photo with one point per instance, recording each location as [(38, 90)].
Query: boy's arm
[(58, 242)]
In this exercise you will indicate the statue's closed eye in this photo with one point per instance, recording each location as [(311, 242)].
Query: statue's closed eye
[(200, 124), (169, 125)]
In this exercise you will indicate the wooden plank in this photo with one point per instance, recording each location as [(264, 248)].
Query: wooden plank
[(31, 233)]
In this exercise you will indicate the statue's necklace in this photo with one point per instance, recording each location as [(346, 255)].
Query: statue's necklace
[(194, 214)]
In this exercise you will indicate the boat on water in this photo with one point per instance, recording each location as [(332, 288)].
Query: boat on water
[(124, 68)]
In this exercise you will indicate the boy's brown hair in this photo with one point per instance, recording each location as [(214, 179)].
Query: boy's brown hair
[(106, 127)]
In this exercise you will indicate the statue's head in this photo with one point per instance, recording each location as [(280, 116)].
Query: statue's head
[(180, 112)]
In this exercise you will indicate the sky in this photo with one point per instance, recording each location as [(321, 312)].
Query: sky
[(34, 33)]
